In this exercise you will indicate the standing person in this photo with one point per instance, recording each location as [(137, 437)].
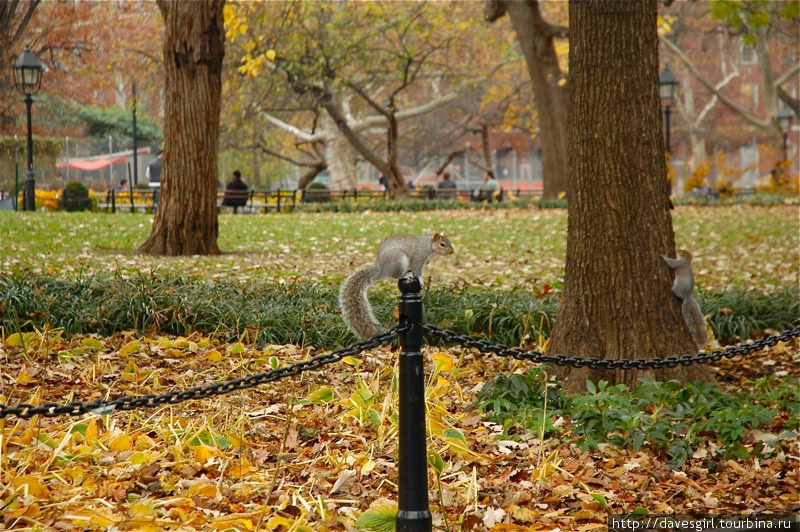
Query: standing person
[(384, 182), (491, 187), (236, 192), (153, 172), (447, 187), (153, 175)]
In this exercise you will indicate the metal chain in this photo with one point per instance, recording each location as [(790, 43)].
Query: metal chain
[(102, 407), (595, 363)]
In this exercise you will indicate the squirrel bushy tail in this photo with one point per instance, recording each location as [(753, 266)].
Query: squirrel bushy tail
[(356, 309), (693, 317)]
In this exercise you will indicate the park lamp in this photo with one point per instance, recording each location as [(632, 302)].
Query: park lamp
[(27, 73), (28, 80), (784, 119), (667, 86)]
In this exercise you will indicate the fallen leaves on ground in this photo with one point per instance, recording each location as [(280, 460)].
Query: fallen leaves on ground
[(315, 452)]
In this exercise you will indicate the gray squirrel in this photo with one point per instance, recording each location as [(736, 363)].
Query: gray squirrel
[(683, 286), (397, 255)]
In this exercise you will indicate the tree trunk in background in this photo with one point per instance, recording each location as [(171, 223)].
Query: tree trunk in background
[(550, 93), (617, 300), (186, 220), (339, 155)]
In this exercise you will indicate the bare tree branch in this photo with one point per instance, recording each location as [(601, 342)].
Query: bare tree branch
[(748, 117)]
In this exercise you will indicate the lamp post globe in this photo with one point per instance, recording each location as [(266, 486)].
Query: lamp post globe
[(28, 80), (667, 91)]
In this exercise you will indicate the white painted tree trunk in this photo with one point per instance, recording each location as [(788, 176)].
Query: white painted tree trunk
[(339, 155)]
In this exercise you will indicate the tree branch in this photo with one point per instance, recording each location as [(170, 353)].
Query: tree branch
[(761, 124)]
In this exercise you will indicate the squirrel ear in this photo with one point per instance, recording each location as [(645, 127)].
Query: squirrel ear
[(436, 237)]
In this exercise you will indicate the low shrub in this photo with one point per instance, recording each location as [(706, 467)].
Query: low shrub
[(75, 197)]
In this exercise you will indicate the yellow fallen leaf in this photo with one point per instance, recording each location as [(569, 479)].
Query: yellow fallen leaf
[(165, 343), (140, 509), (16, 339), (128, 349), (92, 343), (144, 442), (23, 377), (443, 362), (121, 443), (203, 489), (27, 511), (31, 485), (91, 432), (367, 467), (277, 521), (203, 453), (239, 469), (214, 355), (236, 349)]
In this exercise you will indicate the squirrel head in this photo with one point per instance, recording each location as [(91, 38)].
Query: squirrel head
[(441, 244), (685, 254)]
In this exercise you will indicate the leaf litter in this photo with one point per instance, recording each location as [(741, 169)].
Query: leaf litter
[(315, 452)]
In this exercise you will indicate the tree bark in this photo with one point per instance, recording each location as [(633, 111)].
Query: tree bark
[(186, 220), (617, 300), (339, 156), (550, 93)]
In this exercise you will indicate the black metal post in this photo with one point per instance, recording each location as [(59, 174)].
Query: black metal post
[(135, 144), (667, 112), (785, 144), (16, 183), (413, 513), (30, 179), (130, 184)]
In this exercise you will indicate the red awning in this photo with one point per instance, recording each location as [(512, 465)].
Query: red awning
[(94, 164), (98, 162)]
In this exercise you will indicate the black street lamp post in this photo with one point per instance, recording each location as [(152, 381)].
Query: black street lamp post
[(27, 80), (667, 91), (784, 124)]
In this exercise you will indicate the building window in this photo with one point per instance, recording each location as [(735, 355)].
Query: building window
[(748, 54), (750, 96)]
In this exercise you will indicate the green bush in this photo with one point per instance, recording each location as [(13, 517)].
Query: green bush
[(75, 198), (317, 192)]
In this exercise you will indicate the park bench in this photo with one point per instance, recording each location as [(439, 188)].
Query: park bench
[(259, 201), (137, 200)]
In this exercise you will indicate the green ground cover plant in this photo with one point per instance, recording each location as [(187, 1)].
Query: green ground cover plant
[(672, 418), (308, 314)]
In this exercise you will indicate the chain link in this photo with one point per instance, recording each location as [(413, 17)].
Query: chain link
[(101, 407), (594, 363)]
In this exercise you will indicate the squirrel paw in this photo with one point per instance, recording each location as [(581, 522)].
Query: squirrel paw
[(410, 274)]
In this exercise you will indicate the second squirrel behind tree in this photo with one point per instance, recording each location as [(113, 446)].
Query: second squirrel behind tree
[(683, 286), (397, 255)]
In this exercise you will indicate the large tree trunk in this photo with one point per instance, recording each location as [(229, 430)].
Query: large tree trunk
[(339, 156), (550, 93), (186, 220), (617, 300)]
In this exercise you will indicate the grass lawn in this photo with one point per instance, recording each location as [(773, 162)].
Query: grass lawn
[(315, 452), (741, 245)]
